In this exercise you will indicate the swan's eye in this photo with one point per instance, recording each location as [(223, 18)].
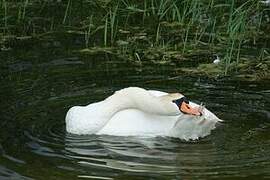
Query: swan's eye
[(180, 101)]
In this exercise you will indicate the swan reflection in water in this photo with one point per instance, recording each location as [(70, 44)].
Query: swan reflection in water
[(159, 155)]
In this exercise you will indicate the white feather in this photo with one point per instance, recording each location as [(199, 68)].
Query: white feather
[(137, 112), (217, 60)]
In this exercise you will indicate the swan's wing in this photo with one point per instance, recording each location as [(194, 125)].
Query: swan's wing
[(157, 93), (133, 122)]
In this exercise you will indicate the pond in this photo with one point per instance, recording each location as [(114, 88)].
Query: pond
[(41, 81)]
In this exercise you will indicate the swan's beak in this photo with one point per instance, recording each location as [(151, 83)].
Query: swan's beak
[(187, 109)]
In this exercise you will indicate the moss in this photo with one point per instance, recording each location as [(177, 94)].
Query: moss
[(245, 71)]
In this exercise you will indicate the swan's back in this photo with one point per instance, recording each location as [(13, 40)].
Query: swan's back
[(129, 112), (133, 122)]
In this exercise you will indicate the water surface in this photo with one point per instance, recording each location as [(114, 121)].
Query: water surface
[(40, 82)]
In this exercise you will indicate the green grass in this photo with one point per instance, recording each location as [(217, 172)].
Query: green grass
[(222, 27)]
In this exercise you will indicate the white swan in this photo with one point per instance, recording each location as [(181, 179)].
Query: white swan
[(137, 112)]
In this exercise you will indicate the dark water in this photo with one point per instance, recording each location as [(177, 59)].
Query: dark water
[(40, 81)]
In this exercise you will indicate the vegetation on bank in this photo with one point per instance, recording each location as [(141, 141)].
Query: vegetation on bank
[(160, 31)]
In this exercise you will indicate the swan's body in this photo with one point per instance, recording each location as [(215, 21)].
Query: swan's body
[(138, 112)]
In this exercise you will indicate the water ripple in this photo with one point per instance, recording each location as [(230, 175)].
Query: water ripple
[(34, 142)]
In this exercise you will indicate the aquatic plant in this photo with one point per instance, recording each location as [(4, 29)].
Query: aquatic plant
[(113, 22), (186, 26), (88, 32), (68, 9), (4, 5), (105, 30)]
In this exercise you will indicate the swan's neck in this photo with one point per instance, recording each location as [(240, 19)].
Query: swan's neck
[(140, 99)]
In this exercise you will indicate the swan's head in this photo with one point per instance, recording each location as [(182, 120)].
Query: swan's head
[(184, 106), (194, 126)]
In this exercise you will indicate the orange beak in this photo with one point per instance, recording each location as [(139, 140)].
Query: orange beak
[(186, 108)]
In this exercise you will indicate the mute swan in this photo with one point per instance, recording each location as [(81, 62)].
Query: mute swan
[(135, 111)]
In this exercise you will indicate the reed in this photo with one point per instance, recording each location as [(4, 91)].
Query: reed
[(113, 23), (231, 16), (67, 11), (238, 21), (238, 52), (153, 8), (5, 16), (228, 58), (176, 15), (217, 25), (88, 32), (145, 13), (195, 10), (19, 17), (105, 30), (157, 35), (24, 8), (186, 37), (212, 32), (199, 34), (163, 9)]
